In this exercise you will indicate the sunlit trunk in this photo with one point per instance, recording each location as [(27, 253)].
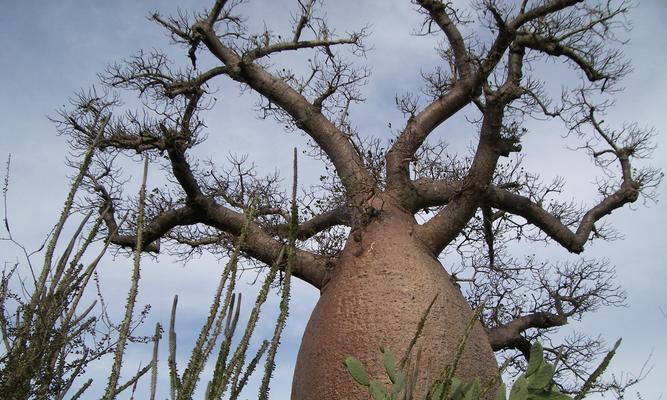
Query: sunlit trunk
[(381, 288)]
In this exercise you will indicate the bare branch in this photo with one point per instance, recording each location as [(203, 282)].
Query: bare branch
[(438, 11), (556, 48), (508, 336), (541, 11), (260, 52), (416, 131), (214, 14), (306, 116), (440, 230), (316, 224), (435, 193), (306, 12), (552, 226)]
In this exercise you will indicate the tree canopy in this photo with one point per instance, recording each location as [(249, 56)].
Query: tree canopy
[(474, 206)]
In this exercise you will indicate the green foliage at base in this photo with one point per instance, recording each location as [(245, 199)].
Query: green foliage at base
[(536, 383)]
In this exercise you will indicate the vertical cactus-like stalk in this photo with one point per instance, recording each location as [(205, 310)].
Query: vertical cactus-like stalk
[(210, 331), (154, 361), (173, 367), (450, 370), (588, 385), (124, 332), (82, 389), (43, 324), (67, 208), (232, 373), (270, 364), (250, 369), (418, 332)]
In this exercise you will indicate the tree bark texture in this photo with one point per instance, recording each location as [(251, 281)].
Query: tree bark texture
[(379, 292)]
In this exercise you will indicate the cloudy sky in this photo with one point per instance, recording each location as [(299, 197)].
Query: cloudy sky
[(50, 50)]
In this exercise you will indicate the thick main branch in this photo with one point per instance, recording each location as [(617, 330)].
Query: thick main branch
[(551, 225), (438, 13), (440, 230), (316, 224), (508, 336), (306, 116)]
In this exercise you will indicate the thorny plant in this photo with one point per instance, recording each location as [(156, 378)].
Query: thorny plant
[(49, 338), (49, 335)]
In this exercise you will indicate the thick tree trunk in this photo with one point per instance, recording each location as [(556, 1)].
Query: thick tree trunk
[(381, 288)]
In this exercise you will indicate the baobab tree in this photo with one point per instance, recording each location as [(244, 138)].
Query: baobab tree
[(373, 233)]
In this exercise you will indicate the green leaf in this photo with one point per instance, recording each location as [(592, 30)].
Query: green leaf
[(437, 390), (389, 364), (472, 390), (457, 390), (399, 384), (519, 389), (501, 393), (357, 371), (536, 359), (377, 391), (542, 378)]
